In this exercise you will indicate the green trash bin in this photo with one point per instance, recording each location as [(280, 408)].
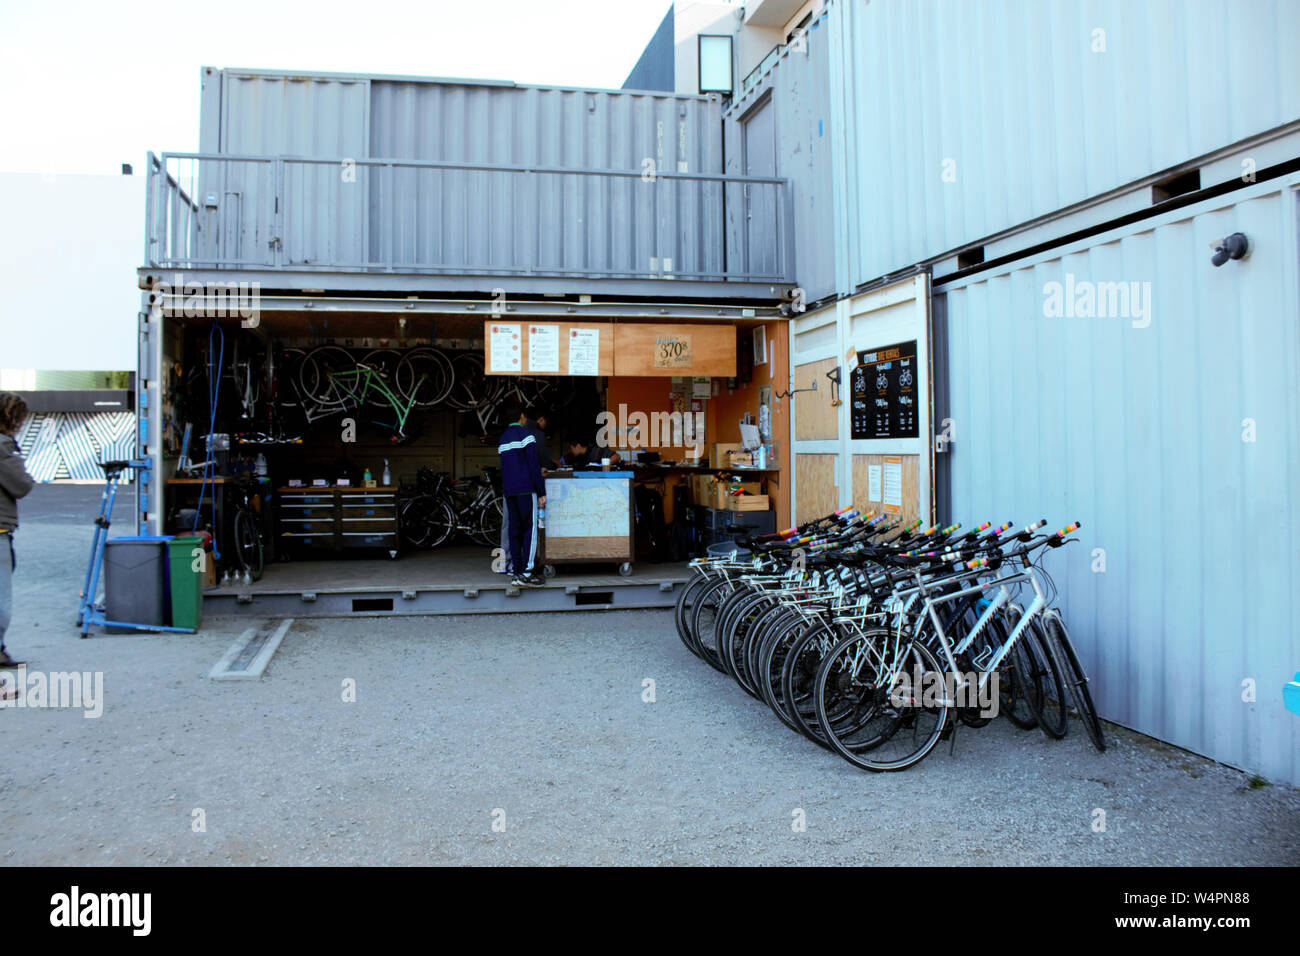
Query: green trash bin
[(186, 583)]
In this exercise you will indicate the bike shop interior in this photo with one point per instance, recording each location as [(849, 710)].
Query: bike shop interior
[(333, 432)]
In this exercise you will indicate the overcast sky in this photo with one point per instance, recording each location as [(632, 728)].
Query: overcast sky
[(87, 85)]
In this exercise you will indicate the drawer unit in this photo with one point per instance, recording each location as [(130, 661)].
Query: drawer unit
[(338, 519)]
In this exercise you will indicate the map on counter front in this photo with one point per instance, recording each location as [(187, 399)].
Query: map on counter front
[(588, 508)]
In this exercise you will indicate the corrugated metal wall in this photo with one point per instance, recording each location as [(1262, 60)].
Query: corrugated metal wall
[(1144, 434), (501, 220), (1033, 120), (554, 222), (799, 88)]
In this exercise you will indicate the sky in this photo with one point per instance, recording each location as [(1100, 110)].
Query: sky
[(87, 86)]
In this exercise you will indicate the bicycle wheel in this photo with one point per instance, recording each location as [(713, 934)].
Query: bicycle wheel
[(703, 616), (384, 362), (682, 611), (1067, 663), (491, 515), (423, 377), (470, 386), (871, 719), (1021, 697), (318, 376), (1052, 717), (248, 544)]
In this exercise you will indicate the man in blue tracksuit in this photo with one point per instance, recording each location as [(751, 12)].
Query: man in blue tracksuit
[(525, 491)]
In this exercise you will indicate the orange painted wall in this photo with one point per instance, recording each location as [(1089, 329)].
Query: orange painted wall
[(724, 412)]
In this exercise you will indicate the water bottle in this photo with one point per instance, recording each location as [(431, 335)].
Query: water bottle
[(541, 517), (388, 478)]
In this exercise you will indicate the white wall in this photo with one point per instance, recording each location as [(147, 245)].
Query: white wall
[(68, 255)]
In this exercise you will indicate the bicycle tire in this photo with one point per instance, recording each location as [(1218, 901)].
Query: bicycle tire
[(316, 382), (384, 362), (702, 615), (1052, 717), (248, 544), (423, 377), (682, 610), (869, 755), (1067, 662)]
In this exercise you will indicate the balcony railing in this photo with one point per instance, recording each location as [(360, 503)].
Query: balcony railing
[(261, 213)]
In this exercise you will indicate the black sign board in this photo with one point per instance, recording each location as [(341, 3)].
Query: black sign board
[(886, 400)]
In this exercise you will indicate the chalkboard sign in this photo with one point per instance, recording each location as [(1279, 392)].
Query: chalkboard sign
[(886, 400)]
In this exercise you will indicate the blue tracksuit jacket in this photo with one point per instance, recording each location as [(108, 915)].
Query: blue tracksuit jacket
[(521, 473)]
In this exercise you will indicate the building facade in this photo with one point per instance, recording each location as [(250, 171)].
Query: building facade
[(1037, 195)]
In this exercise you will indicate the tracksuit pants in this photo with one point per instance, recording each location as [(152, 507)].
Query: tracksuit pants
[(520, 532)]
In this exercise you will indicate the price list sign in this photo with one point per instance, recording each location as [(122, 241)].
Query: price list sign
[(884, 393)]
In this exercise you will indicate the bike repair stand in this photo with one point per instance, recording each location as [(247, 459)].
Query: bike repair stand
[(89, 613)]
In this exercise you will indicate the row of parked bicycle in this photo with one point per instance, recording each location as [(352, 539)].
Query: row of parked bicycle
[(874, 638)]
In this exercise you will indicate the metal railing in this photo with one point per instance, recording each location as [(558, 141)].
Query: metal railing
[(258, 213)]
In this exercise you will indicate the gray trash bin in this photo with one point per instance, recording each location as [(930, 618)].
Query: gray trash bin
[(135, 581)]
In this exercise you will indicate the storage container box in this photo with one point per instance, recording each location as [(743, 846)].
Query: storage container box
[(748, 503)]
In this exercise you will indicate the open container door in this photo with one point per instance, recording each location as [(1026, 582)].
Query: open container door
[(887, 415)]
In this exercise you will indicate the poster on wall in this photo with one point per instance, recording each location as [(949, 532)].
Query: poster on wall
[(584, 351), (505, 345), (885, 393), (543, 348)]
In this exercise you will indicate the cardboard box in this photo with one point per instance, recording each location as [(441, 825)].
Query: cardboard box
[(742, 459), (748, 503), (721, 455)]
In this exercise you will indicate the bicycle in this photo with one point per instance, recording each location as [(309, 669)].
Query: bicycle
[(844, 625), (444, 507)]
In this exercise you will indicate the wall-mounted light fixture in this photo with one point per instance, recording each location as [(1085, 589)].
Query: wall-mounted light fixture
[(1235, 246)]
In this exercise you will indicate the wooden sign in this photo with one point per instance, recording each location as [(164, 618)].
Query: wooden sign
[(672, 351)]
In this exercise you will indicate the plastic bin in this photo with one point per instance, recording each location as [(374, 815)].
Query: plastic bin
[(135, 581), (186, 584), (724, 548)]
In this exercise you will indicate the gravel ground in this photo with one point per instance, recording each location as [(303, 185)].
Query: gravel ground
[(539, 721)]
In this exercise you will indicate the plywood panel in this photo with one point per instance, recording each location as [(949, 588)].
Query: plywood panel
[(712, 349), (606, 344), (814, 416), (909, 510), (815, 486)]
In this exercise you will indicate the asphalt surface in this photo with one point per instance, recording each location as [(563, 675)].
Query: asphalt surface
[(536, 723)]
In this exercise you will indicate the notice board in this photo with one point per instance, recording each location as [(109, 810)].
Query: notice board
[(884, 393)]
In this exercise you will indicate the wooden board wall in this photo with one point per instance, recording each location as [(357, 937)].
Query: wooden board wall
[(815, 488), (713, 349), (814, 416), (606, 344), (910, 509)]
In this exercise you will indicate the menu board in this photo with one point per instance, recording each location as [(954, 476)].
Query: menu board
[(884, 393), (543, 348)]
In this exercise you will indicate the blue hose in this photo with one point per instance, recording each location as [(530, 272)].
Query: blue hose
[(214, 390)]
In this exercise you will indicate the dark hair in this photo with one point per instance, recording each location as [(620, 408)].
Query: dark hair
[(13, 411), (578, 440), (511, 411), (538, 412)]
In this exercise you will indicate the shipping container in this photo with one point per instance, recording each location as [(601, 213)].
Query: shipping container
[(782, 126), (1126, 382), (966, 119)]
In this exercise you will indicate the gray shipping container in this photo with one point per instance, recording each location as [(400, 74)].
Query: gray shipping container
[(378, 214), (1165, 420)]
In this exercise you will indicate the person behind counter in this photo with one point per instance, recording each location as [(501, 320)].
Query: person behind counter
[(536, 424), (581, 453)]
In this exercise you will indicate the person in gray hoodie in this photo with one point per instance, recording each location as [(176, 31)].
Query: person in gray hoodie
[(14, 484)]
